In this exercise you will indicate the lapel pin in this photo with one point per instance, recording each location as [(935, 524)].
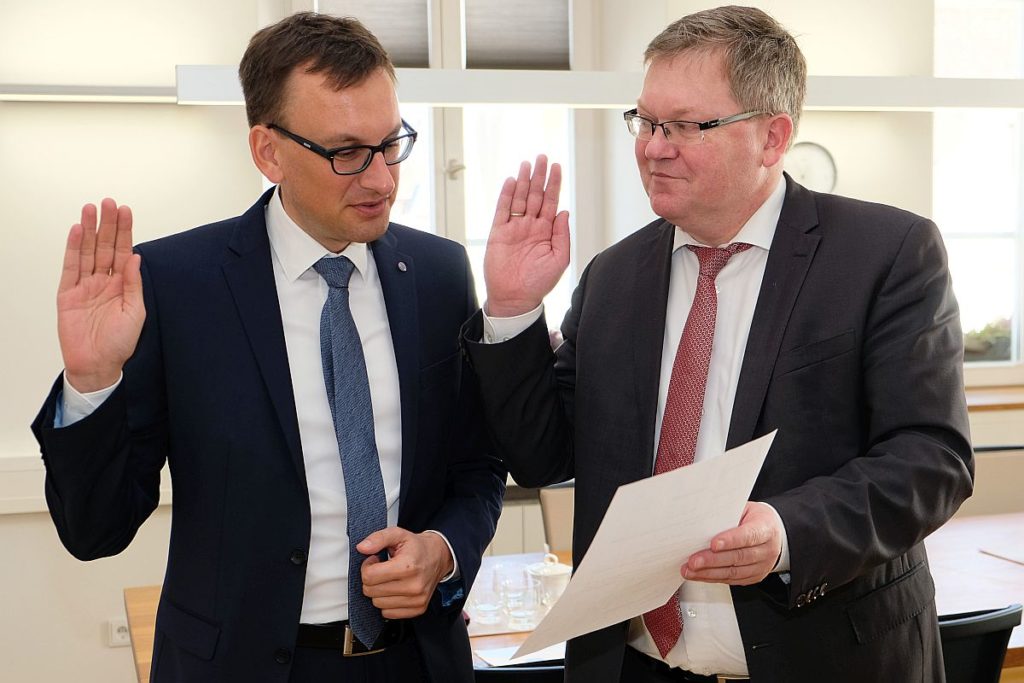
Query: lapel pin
[(402, 267)]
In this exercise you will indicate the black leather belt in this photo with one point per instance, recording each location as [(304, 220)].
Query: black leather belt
[(338, 636)]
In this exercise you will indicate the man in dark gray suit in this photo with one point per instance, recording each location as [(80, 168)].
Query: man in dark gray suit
[(752, 304)]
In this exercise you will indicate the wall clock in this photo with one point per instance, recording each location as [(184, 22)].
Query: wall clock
[(812, 166)]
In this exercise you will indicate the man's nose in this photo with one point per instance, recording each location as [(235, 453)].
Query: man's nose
[(377, 176), (658, 146)]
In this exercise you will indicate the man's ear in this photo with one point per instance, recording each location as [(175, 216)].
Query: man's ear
[(263, 145), (780, 131)]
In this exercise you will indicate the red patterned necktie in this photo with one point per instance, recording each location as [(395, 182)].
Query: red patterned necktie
[(684, 407)]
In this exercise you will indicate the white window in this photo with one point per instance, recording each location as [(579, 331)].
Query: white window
[(450, 183), (496, 139), (978, 183)]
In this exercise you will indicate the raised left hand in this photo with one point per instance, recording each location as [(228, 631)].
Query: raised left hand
[(401, 587), (743, 555)]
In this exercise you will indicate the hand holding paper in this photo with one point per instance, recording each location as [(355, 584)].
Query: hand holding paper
[(743, 555), (650, 529)]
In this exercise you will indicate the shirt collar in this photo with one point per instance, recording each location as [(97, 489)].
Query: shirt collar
[(296, 250), (759, 230)]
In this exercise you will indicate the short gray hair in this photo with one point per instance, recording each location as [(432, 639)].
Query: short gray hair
[(765, 67)]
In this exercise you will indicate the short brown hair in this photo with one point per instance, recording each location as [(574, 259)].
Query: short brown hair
[(766, 70), (342, 48)]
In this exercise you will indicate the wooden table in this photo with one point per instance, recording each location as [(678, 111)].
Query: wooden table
[(141, 603), (965, 580), (140, 606)]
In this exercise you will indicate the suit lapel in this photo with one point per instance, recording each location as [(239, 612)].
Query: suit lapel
[(397, 274), (647, 334), (250, 277), (789, 259)]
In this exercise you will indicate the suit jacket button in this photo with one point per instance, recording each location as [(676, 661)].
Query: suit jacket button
[(283, 656), (298, 557)]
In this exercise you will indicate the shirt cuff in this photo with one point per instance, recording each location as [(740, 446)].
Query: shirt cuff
[(454, 574), (497, 330), (783, 563), (73, 405)]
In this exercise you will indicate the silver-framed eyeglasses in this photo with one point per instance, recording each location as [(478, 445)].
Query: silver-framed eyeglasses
[(354, 159), (680, 132)]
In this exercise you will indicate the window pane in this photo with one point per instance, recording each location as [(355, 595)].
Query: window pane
[(496, 139), (414, 205), (400, 26), (977, 174), (985, 280), (527, 34)]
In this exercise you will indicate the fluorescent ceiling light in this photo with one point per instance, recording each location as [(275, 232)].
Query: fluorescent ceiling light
[(208, 84), (10, 92)]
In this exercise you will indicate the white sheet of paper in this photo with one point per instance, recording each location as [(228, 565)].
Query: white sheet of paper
[(650, 528), (503, 656)]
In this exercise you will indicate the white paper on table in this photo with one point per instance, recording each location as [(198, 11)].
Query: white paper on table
[(650, 528), (503, 656)]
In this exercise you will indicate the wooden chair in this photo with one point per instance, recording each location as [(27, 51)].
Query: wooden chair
[(556, 509)]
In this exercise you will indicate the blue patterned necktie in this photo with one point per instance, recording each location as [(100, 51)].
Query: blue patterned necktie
[(348, 392)]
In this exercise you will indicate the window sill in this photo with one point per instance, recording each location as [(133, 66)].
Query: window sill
[(981, 399)]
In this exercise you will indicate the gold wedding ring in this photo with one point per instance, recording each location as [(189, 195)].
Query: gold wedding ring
[(513, 214)]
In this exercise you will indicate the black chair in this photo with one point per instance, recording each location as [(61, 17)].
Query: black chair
[(554, 673), (974, 643)]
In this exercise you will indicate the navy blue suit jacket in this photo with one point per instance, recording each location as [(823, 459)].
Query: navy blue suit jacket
[(208, 390)]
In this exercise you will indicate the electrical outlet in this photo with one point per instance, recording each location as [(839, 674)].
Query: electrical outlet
[(117, 633)]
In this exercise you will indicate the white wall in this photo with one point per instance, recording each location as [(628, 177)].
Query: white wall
[(54, 607), (118, 42)]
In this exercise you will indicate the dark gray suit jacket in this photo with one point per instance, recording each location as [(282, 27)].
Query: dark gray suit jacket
[(854, 355)]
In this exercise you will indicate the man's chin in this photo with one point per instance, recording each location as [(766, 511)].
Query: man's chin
[(369, 231), (667, 206)]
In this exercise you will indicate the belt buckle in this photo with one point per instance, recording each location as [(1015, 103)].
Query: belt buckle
[(350, 641)]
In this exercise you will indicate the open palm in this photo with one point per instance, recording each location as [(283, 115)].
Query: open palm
[(528, 247), (99, 300)]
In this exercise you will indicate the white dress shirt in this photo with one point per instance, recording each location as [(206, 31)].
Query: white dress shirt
[(301, 293), (710, 643)]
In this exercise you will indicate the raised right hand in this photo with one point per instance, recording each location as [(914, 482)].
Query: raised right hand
[(99, 300), (528, 248)]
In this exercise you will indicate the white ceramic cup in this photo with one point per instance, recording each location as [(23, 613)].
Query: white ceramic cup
[(552, 576)]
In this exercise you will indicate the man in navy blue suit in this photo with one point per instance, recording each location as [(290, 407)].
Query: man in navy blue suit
[(210, 349)]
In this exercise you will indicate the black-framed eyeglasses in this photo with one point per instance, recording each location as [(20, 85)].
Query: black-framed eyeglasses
[(354, 159), (680, 132)]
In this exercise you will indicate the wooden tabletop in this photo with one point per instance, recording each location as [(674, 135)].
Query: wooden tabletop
[(140, 606), (965, 580)]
